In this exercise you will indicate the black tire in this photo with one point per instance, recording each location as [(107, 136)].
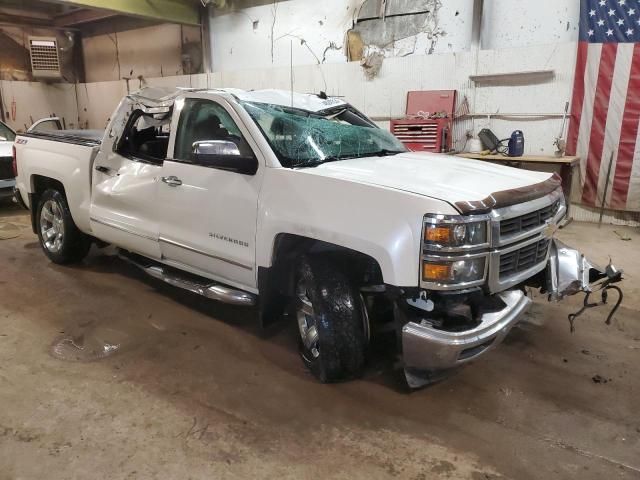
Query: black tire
[(338, 317), (73, 245)]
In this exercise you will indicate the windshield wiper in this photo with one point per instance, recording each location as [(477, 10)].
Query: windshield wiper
[(386, 153), (332, 158)]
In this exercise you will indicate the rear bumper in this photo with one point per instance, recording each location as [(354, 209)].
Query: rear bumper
[(6, 187), (426, 348)]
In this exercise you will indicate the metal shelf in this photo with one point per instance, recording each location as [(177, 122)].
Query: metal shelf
[(529, 76)]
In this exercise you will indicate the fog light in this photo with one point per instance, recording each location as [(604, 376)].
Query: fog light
[(434, 272)]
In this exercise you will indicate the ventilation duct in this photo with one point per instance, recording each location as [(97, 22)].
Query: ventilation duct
[(45, 62)]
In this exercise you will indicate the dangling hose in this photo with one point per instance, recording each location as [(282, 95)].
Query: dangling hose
[(606, 285)]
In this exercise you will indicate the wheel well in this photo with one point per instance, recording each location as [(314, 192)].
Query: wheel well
[(363, 269), (277, 283), (40, 184)]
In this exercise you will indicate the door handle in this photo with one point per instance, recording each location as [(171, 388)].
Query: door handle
[(103, 169), (172, 181)]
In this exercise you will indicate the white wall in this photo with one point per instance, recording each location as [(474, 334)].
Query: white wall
[(548, 97), (517, 23), (35, 100)]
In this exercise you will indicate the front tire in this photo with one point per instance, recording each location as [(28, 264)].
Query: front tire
[(59, 236), (331, 321)]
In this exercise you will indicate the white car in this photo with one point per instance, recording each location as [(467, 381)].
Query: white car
[(301, 204), (7, 180)]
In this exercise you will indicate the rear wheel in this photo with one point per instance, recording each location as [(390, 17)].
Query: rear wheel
[(331, 320), (59, 236)]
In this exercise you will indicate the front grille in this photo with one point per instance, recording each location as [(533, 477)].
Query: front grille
[(523, 258), (6, 170), (528, 221)]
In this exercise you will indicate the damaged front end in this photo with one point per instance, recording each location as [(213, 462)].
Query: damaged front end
[(569, 272), (442, 330)]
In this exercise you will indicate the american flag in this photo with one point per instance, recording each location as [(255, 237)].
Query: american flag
[(605, 110)]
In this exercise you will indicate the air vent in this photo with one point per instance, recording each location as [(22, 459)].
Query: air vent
[(45, 62)]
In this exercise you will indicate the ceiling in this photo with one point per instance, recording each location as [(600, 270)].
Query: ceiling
[(91, 17)]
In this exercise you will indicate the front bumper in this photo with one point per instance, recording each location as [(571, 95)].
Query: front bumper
[(427, 348)]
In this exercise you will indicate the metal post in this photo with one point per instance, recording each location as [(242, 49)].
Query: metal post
[(606, 189)]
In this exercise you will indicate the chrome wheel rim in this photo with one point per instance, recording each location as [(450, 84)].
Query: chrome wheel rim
[(52, 226), (307, 321)]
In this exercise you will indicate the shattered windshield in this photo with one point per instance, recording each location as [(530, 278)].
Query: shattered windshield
[(305, 139)]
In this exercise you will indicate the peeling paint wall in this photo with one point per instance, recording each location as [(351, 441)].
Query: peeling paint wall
[(306, 32), (315, 34), (410, 45), (151, 52), (406, 27)]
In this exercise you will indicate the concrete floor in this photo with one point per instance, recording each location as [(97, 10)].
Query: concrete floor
[(196, 391)]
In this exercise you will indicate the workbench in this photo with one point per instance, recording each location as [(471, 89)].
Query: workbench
[(565, 165)]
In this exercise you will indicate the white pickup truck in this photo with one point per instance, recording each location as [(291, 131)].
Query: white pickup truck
[(7, 182), (302, 205)]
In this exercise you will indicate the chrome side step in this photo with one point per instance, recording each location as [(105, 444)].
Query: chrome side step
[(205, 287)]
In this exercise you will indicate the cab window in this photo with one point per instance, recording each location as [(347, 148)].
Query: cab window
[(146, 137), (205, 120)]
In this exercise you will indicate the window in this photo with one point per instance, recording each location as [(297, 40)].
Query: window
[(306, 139), (146, 137), (203, 120), (6, 133)]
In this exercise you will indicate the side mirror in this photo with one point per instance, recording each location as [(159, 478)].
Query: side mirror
[(224, 155)]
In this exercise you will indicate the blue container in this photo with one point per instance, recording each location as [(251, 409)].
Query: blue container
[(516, 144)]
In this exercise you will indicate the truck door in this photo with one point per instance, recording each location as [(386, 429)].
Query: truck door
[(209, 210), (124, 208)]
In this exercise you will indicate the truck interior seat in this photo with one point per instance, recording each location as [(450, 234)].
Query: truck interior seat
[(155, 148)]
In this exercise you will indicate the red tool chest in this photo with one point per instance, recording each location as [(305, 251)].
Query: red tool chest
[(419, 132)]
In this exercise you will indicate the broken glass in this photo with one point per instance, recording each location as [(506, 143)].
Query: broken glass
[(307, 139)]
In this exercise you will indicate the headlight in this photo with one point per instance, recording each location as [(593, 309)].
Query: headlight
[(443, 232), (455, 251), (461, 271)]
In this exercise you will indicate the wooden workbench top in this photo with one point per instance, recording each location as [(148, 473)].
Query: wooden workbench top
[(525, 158)]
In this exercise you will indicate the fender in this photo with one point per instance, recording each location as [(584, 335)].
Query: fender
[(288, 204)]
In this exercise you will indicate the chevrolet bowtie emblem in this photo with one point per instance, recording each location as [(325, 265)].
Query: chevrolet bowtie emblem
[(550, 230)]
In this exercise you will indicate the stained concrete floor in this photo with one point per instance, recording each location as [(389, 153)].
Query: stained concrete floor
[(195, 390)]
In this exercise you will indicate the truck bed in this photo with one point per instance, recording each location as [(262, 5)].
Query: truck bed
[(87, 138), (65, 156)]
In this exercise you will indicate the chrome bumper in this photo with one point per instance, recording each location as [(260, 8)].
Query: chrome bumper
[(426, 348)]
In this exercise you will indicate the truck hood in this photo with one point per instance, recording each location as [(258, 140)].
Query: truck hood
[(453, 179)]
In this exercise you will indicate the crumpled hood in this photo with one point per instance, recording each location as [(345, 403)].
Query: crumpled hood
[(445, 177)]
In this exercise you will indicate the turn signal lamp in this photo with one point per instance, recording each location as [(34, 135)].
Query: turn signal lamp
[(437, 234), (434, 272)]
